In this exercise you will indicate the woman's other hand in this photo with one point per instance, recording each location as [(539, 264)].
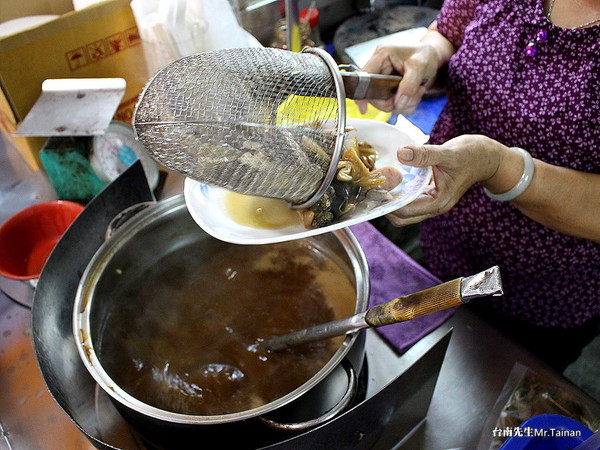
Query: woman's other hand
[(559, 198), (457, 165)]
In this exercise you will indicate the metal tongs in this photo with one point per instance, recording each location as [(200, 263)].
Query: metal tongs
[(437, 298)]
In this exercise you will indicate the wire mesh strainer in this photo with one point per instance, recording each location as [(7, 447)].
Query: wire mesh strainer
[(258, 121)]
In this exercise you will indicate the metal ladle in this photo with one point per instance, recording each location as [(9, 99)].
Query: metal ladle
[(437, 298)]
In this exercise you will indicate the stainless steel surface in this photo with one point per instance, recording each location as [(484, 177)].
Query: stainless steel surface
[(166, 229), (73, 107), (318, 332), (328, 416), (482, 284)]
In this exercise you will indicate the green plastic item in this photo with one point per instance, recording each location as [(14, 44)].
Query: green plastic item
[(65, 160)]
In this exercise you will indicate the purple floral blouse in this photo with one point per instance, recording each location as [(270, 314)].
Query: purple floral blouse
[(544, 97)]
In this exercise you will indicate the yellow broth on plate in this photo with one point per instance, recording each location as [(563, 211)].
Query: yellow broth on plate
[(260, 212)]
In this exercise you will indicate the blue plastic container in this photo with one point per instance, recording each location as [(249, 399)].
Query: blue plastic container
[(547, 432)]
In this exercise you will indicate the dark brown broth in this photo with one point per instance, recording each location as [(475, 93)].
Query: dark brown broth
[(182, 337)]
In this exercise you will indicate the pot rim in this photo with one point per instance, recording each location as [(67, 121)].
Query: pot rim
[(84, 301)]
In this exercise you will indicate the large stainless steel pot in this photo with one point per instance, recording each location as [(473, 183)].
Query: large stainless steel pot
[(166, 227)]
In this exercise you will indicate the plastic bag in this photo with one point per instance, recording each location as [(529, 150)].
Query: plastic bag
[(527, 394), (171, 29)]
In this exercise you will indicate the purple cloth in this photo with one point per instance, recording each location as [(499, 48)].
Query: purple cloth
[(394, 274), (545, 102)]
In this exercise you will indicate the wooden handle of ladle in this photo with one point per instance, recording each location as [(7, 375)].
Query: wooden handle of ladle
[(400, 309)]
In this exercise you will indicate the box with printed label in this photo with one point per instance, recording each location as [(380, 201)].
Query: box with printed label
[(100, 41)]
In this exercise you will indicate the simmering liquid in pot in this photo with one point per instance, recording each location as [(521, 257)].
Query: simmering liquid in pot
[(183, 337)]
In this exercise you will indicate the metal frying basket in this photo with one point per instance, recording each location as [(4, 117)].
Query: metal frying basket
[(258, 121)]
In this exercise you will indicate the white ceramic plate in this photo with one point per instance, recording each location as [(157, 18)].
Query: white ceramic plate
[(206, 203)]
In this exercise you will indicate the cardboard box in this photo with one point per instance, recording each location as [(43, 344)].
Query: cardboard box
[(100, 41)]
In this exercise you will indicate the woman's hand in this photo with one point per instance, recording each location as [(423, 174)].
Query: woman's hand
[(418, 65), (457, 165), (559, 198)]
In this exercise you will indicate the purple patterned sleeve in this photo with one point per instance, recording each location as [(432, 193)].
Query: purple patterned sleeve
[(454, 17), (499, 88)]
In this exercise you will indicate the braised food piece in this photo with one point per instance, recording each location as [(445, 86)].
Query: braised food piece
[(356, 176)]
